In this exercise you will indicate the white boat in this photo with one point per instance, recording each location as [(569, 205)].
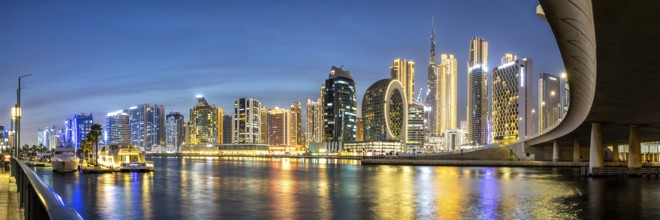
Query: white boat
[(64, 160), (125, 158)]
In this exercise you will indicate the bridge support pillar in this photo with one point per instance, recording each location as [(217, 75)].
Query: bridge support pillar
[(595, 148), (576, 151), (634, 148), (615, 153), (555, 151)]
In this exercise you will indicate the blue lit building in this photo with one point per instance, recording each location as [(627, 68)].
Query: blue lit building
[(77, 128)]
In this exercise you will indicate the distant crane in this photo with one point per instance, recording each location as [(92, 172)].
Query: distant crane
[(419, 95)]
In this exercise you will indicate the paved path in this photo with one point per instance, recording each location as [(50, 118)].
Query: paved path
[(8, 198)]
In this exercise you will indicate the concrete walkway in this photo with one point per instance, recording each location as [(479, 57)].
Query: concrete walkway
[(8, 198)]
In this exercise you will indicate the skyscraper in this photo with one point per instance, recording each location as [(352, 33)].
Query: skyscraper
[(339, 106), (549, 101), (77, 128), (118, 127), (448, 74), (477, 103), (313, 122), (512, 100), (246, 121), (415, 125), (226, 127), (404, 72), (297, 109), (220, 124), (264, 125), (174, 130), (203, 122), (147, 125), (431, 102), (385, 111), (278, 127)]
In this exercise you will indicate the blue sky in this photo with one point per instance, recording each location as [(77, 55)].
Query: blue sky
[(101, 56)]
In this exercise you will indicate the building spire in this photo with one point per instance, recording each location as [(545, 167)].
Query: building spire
[(432, 55)]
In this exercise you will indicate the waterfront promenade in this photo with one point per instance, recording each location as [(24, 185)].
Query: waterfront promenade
[(8, 198)]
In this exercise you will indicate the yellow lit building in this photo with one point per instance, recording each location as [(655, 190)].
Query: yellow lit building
[(203, 123), (446, 93), (512, 100), (404, 72)]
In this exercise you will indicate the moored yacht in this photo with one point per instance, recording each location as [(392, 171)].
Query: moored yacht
[(64, 160), (125, 158)]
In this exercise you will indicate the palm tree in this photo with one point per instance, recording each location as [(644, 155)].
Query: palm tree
[(86, 147), (96, 130)]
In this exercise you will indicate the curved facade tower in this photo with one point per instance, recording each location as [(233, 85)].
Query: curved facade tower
[(385, 111), (339, 106), (477, 103)]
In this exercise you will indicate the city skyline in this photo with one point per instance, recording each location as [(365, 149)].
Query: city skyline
[(119, 76)]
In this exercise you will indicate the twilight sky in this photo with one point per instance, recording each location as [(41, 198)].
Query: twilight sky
[(101, 56)]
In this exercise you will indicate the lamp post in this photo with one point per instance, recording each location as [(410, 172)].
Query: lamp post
[(18, 114)]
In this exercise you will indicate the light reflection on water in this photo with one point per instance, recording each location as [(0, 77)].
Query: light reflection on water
[(284, 188)]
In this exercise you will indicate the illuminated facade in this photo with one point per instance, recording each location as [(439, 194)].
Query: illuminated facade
[(264, 125), (415, 125), (477, 103), (448, 74), (512, 101), (453, 139), (549, 101), (147, 125), (280, 129), (385, 111), (203, 122), (220, 124), (118, 128), (360, 130), (313, 122), (374, 148), (247, 121), (77, 128), (404, 72), (296, 108), (339, 106), (432, 103), (174, 130)]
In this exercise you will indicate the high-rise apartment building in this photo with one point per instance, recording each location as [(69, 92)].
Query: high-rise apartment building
[(512, 100), (264, 125), (549, 101), (339, 106), (313, 122), (278, 127), (174, 130), (446, 94), (203, 122), (404, 72), (220, 124), (296, 107), (246, 121), (477, 103), (432, 102), (77, 128), (147, 125), (118, 128)]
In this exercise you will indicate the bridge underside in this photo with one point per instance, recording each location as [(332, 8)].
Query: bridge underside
[(611, 50)]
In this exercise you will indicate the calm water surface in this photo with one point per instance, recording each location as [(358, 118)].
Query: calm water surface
[(272, 188)]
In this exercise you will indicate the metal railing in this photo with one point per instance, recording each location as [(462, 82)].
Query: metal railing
[(37, 199)]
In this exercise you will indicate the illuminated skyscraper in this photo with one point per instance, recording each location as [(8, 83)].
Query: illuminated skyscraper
[(448, 74), (278, 127), (313, 122), (512, 100), (432, 102), (339, 107), (118, 127), (203, 122), (174, 130), (77, 128), (415, 125), (297, 109), (404, 72), (359, 136), (549, 101), (477, 103), (246, 121), (147, 125), (220, 125), (385, 112)]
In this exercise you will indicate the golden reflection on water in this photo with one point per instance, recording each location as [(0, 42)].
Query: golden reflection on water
[(281, 189)]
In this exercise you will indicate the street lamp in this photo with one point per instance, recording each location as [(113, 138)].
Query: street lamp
[(18, 113)]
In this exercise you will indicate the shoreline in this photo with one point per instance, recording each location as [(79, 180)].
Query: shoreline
[(257, 156)]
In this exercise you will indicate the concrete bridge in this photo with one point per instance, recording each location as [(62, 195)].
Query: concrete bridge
[(611, 51)]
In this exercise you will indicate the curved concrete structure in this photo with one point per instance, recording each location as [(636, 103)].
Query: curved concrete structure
[(611, 52)]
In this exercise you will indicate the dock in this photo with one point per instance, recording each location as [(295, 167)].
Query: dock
[(95, 169)]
